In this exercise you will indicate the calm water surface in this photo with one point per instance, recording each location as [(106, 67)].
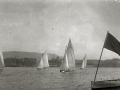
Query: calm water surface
[(27, 78)]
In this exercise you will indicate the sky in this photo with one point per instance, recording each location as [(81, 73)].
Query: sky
[(40, 25)]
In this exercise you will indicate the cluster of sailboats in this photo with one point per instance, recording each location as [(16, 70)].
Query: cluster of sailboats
[(67, 63)]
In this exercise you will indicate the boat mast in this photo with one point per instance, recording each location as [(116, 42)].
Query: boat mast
[(100, 57)]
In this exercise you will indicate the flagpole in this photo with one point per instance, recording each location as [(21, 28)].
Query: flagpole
[(98, 64), (100, 57)]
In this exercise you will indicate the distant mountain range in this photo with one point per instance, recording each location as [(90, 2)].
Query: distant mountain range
[(20, 54)]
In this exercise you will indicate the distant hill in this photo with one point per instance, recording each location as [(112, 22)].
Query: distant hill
[(16, 58), (55, 60), (115, 62), (20, 54)]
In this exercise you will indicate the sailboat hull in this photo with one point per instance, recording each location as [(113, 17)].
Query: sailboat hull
[(66, 70), (106, 85), (81, 68), (41, 68)]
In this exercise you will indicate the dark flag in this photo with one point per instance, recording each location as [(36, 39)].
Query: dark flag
[(111, 43)]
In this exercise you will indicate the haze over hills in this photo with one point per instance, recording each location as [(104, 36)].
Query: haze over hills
[(22, 54), (55, 60)]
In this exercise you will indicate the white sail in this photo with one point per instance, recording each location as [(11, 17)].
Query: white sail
[(2, 65), (70, 55), (45, 60), (84, 62), (64, 64), (40, 65)]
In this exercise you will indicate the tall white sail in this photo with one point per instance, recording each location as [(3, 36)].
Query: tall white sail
[(64, 64), (84, 62), (40, 65), (2, 65), (70, 55), (45, 59)]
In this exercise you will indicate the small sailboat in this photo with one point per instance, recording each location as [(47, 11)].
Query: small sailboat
[(40, 65), (2, 65), (84, 62), (68, 62), (45, 60), (70, 55), (64, 66), (43, 64)]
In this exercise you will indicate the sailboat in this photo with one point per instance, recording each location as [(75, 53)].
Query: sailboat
[(43, 64), (64, 66), (40, 65), (68, 61), (2, 65), (84, 62), (111, 43), (70, 55)]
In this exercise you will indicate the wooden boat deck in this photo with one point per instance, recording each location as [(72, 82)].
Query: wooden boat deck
[(106, 85)]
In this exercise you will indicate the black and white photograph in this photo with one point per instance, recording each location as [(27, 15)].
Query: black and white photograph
[(59, 44)]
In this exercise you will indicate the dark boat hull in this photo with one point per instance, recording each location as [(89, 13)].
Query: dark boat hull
[(81, 68), (41, 68), (106, 85), (66, 70)]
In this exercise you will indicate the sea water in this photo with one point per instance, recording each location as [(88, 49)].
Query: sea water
[(29, 78)]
